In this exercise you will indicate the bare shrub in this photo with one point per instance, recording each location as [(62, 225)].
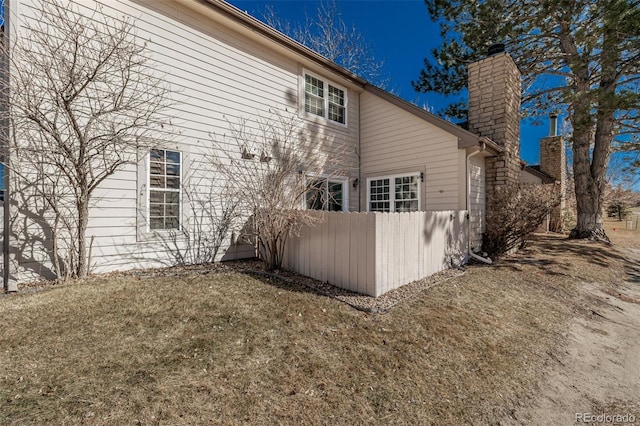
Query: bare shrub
[(521, 208), (272, 162), (212, 215), (83, 102)]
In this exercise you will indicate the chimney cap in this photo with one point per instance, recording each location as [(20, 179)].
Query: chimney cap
[(495, 49)]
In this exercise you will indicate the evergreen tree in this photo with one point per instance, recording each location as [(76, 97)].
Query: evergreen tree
[(581, 57)]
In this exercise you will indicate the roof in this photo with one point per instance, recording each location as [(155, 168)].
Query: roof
[(272, 34), (535, 170), (466, 139)]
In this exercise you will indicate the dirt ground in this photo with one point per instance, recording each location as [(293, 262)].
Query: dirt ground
[(599, 372)]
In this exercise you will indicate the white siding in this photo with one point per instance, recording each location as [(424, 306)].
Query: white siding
[(217, 76), (477, 201), (394, 141)]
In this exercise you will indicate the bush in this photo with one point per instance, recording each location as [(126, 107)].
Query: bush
[(521, 208), (618, 209)]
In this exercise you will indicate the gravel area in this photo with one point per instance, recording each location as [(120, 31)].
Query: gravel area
[(363, 302), (255, 267)]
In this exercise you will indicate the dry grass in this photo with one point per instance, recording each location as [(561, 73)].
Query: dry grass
[(231, 348), (619, 235)]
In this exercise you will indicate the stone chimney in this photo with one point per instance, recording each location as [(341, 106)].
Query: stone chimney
[(494, 109), (494, 112), (553, 162)]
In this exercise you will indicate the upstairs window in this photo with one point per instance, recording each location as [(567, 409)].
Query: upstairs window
[(324, 99), (165, 181)]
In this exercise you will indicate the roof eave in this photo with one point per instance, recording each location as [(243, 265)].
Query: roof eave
[(466, 139), (272, 34), (542, 175)]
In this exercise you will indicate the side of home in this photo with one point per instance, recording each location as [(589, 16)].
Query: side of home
[(220, 72), (223, 66)]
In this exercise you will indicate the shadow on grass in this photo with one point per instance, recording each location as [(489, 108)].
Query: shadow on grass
[(276, 280), (559, 255), (289, 280), (633, 273)]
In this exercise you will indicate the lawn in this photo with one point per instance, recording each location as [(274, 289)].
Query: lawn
[(619, 234), (227, 347)]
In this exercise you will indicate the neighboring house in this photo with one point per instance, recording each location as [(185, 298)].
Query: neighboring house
[(551, 170), (225, 65)]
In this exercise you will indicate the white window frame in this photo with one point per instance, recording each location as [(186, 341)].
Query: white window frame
[(325, 98), (336, 179), (392, 189), (149, 189)]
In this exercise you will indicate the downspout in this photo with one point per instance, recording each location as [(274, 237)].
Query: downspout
[(359, 188), (469, 252), (8, 284)]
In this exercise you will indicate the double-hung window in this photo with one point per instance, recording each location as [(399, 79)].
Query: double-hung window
[(165, 181), (326, 194), (394, 193), (324, 99)]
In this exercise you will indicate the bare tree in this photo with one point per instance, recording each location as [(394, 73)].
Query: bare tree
[(328, 34), (618, 199), (274, 162), (624, 170), (83, 103)]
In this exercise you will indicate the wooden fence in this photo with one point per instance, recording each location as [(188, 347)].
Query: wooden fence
[(373, 253)]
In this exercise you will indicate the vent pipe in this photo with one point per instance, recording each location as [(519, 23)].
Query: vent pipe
[(553, 125)]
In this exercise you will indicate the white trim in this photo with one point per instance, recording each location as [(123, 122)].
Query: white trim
[(149, 189), (325, 99), (392, 190)]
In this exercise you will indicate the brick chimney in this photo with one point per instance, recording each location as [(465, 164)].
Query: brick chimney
[(494, 112), (553, 162)]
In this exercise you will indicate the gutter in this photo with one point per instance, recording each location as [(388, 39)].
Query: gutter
[(8, 284)]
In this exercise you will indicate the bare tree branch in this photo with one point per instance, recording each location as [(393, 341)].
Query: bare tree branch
[(84, 102), (273, 162)]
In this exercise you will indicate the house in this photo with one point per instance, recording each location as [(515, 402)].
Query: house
[(225, 65)]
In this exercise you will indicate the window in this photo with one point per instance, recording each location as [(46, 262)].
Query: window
[(394, 194), (326, 194), (323, 99), (164, 189), (379, 200)]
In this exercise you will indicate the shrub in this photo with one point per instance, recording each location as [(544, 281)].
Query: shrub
[(520, 209)]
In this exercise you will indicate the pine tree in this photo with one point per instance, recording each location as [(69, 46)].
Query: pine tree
[(580, 57)]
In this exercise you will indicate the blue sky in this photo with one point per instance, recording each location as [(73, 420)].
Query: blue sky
[(402, 34)]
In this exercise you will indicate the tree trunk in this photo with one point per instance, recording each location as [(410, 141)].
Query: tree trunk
[(591, 176), (589, 186), (83, 220), (590, 222)]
